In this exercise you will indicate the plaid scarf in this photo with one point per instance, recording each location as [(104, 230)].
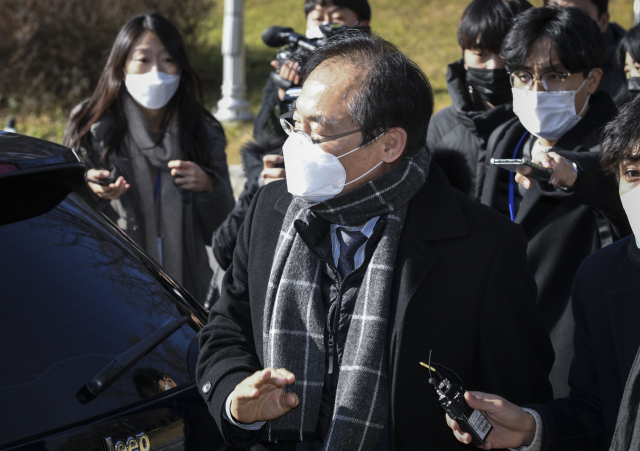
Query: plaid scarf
[(294, 319), (627, 433)]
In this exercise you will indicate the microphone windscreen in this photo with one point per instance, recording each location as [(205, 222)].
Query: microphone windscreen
[(276, 36)]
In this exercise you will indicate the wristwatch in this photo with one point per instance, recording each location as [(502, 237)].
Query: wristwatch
[(575, 168), (567, 189)]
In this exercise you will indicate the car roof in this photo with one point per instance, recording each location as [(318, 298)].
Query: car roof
[(26, 152)]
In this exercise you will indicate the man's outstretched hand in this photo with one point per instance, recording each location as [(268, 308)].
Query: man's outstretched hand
[(512, 426), (261, 396)]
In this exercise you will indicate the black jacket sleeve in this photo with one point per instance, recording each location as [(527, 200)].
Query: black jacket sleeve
[(576, 422), (90, 153), (226, 236), (266, 119), (227, 349), (213, 207), (593, 188)]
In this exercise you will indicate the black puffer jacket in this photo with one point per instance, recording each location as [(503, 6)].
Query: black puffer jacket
[(458, 134), (225, 236), (613, 79), (267, 120)]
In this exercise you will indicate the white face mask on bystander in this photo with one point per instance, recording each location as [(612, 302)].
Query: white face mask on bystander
[(547, 114), (631, 204), (152, 90)]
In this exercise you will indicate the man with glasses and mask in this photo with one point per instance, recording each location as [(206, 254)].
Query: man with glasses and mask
[(601, 412), (360, 265), (554, 57), (613, 77)]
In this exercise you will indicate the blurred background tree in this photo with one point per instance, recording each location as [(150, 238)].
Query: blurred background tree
[(52, 51)]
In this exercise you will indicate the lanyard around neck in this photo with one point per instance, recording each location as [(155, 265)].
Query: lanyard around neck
[(512, 181), (156, 190)]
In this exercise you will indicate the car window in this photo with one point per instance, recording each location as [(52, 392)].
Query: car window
[(73, 296)]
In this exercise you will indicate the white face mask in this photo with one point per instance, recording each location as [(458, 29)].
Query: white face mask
[(314, 175), (314, 33), (631, 204), (152, 90), (547, 114)]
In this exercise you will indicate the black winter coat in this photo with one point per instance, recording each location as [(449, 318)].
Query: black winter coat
[(225, 236), (461, 288), (458, 134), (267, 120), (613, 79), (606, 310), (561, 227)]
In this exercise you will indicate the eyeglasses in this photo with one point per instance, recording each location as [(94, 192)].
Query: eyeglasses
[(551, 80), (286, 120)]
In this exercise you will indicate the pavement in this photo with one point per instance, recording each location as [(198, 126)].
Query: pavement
[(237, 179)]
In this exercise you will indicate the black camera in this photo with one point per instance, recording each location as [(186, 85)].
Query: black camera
[(291, 42)]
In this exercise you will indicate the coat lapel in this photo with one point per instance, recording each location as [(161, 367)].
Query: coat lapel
[(529, 201), (433, 214)]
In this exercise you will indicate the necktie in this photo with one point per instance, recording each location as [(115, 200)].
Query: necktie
[(350, 242)]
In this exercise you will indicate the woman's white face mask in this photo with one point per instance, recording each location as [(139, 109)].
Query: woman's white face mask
[(548, 114), (152, 90), (312, 174)]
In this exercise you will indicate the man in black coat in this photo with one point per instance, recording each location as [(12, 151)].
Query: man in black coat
[(558, 127), (607, 337), (437, 273), (480, 92)]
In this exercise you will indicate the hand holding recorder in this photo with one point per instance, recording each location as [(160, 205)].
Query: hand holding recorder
[(512, 426)]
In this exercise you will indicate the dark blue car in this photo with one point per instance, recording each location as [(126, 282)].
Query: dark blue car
[(98, 346)]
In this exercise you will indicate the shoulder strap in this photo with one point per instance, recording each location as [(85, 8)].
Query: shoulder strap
[(604, 229)]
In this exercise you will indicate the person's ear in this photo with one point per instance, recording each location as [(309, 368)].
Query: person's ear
[(594, 80), (603, 21), (363, 23), (394, 141), (464, 61)]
